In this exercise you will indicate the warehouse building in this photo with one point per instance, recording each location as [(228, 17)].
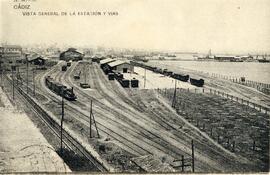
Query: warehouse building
[(11, 53), (71, 55), (40, 61), (121, 66), (106, 61), (97, 58)]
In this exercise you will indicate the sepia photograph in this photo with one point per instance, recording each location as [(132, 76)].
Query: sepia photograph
[(134, 86)]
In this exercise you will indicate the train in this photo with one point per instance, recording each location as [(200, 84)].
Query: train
[(60, 89), (120, 78), (166, 72)]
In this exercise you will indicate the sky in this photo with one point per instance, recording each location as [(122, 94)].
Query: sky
[(224, 26)]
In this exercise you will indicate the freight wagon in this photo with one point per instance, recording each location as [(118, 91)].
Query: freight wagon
[(180, 77), (60, 89), (195, 82), (124, 82), (64, 68), (111, 76), (134, 83)]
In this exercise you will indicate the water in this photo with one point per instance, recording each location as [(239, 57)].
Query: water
[(254, 71)]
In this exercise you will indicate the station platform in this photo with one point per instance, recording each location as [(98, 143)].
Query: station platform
[(23, 149)]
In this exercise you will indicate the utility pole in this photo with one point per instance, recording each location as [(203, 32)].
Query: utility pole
[(26, 57), (85, 73), (90, 130), (12, 70), (17, 75), (1, 69), (174, 95), (192, 149), (183, 163), (34, 86), (144, 76), (94, 121), (62, 120)]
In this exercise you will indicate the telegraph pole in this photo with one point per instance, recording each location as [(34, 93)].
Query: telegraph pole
[(174, 95), (85, 74), (144, 76), (17, 75), (12, 70), (90, 130), (192, 149), (1, 69), (34, 86), (94, 121), (26, 57), (62, 120)]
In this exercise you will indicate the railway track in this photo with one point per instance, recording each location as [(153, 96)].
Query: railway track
[(64, 77), (76, 112), (157, 142), (68, 140)]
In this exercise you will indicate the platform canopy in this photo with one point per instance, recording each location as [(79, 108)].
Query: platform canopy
[(107, 60), (117, 63)]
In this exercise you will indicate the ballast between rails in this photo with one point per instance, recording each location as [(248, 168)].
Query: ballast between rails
[(68, 140)]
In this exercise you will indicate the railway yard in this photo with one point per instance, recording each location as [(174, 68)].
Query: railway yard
[(199, 132)]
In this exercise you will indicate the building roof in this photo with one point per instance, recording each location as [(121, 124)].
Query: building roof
[(107, 60), (12, 46), (149, 163), (36, 58), (71, 50), (117, 63), (224, 56)]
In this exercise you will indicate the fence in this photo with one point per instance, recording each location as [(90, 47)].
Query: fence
[(248, 103), (219, 125), (263, 87)]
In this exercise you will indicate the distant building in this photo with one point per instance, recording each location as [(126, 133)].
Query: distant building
[(106, 62), (224, 58), (121, 66), (97, 58), (71, 54), (11, 53), (40, 61)]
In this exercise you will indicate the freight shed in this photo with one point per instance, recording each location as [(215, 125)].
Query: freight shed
[(121, 66), (37, 61), (105, 62), (71, 54)]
